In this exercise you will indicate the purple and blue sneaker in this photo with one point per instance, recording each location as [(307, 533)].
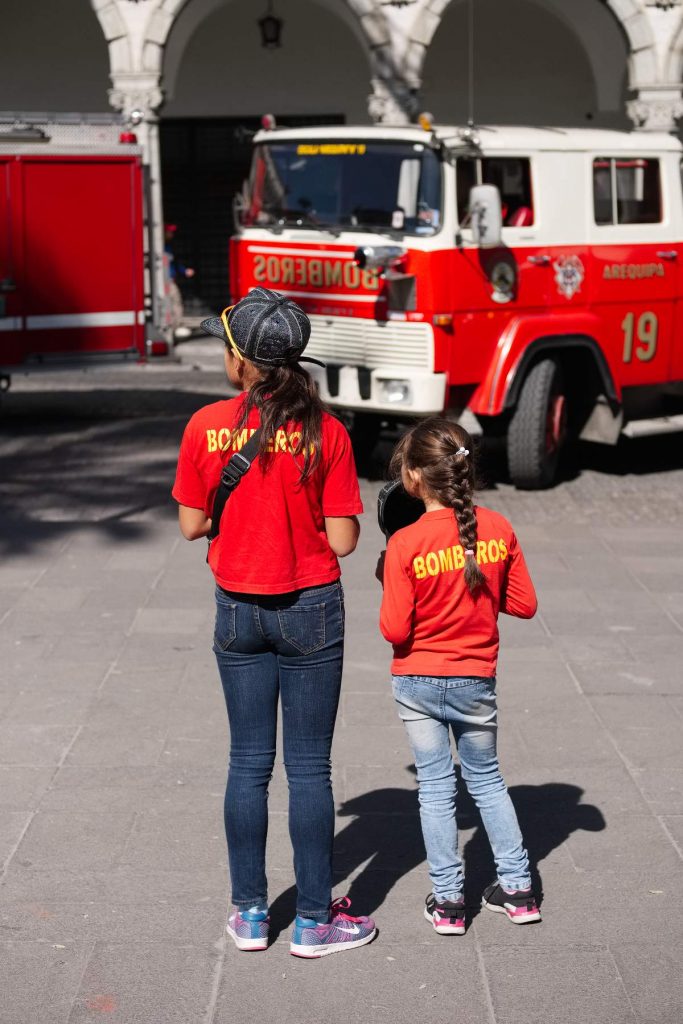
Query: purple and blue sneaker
[(312, 939), (249, 928)]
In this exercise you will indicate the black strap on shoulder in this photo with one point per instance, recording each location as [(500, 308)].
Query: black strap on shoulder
[(231, 474)]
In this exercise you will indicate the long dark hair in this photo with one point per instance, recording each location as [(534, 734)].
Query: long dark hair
[(283, 394), (434, 446)]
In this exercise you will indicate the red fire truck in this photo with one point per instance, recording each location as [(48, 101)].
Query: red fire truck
[(72, 288), (528, 276)]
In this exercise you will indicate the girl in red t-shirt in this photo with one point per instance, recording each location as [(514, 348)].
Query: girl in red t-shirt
[(279, 607), (446, 578)]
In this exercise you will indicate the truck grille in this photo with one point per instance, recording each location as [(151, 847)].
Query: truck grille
[(371, 343)]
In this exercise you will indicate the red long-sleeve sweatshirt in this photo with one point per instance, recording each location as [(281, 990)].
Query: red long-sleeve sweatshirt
[(436, 626)]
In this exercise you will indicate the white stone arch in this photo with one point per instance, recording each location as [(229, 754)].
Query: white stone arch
[(137, 35), (673, 67), (115, 31), (629, 14), (197, 11)]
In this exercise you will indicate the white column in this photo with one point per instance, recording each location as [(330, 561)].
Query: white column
[(657, 103), (392, 101), (138, 97), (656, 109)]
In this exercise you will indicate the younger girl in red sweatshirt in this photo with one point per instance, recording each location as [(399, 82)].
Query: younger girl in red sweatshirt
[(446, 579)]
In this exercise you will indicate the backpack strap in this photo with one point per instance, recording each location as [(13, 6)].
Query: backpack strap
[(231, 474)]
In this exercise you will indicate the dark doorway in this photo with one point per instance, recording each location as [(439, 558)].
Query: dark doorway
[(203, 164)]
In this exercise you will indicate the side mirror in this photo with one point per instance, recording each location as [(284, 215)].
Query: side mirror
[(486, 216)]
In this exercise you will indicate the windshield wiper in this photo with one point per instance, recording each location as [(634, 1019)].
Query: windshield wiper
[(378, 229)]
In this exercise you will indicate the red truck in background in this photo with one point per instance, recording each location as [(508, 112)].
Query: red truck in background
[(72, 271), (528, 278)]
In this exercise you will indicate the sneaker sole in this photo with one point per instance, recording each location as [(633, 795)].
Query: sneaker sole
[(526, 918), (315, 952), (445, 929), (246, 945)]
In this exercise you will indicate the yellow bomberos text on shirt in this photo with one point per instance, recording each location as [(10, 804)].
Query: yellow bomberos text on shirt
[(228, 440), (452, 558)]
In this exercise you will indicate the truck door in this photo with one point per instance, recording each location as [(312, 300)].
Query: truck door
[(635, 274), (10, 312), (511, 277), (493, 285), (83, 257)]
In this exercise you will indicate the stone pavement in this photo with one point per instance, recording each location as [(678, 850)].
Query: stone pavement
[(113, 746)]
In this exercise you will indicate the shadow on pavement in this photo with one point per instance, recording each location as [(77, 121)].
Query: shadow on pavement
[(548, 815), (637, 456), (103, 457), (385, 836)]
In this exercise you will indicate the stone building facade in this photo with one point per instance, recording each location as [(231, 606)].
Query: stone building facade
[(178, 67), (396, 38), (383, 59)]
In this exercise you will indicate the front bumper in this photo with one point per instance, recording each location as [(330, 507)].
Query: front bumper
[(384, 366), (385, 389)]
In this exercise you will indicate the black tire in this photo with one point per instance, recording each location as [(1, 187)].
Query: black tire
[(537, 430)]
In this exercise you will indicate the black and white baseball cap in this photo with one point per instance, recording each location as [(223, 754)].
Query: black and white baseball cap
[(265, 327)]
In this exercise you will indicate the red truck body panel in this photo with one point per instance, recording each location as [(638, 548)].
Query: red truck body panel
[(71, 259)]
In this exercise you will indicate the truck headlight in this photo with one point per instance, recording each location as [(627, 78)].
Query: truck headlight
[(378, 257), (397, 392)]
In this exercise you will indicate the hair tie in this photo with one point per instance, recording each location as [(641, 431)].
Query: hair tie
[(469, 551), (462, 451)]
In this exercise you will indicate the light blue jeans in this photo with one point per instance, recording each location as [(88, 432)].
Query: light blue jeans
[(430, 706)]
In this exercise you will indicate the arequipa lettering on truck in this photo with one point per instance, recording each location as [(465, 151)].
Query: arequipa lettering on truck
[(528, 275)]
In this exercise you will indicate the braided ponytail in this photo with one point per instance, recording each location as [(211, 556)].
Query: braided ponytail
[(466, 519), (441, 450)]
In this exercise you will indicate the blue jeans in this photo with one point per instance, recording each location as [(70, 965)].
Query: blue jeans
[(430, 706), (286, 647)]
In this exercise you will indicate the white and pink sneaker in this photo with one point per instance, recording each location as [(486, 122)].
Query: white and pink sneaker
[(519, 905), (448, 918)]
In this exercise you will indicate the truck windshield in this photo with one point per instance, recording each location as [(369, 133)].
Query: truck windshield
[(392, 187)]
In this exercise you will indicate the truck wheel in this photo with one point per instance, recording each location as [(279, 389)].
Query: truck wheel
[(538, 428)]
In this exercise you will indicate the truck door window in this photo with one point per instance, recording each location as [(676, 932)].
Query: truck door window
[(626, 190), (512, 178)]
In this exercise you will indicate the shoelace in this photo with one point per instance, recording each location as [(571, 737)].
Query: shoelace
[(337, 908)]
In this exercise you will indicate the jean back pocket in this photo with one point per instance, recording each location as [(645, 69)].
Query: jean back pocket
[(303, 627), (225, 629)]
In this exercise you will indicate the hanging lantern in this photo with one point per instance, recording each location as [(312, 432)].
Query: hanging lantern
[(271, 29)]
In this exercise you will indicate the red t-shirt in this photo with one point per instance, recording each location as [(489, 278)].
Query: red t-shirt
[(272, 538), (436, 626)]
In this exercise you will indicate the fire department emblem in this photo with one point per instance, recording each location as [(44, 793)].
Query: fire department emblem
[(569, 275), (503, 282)]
